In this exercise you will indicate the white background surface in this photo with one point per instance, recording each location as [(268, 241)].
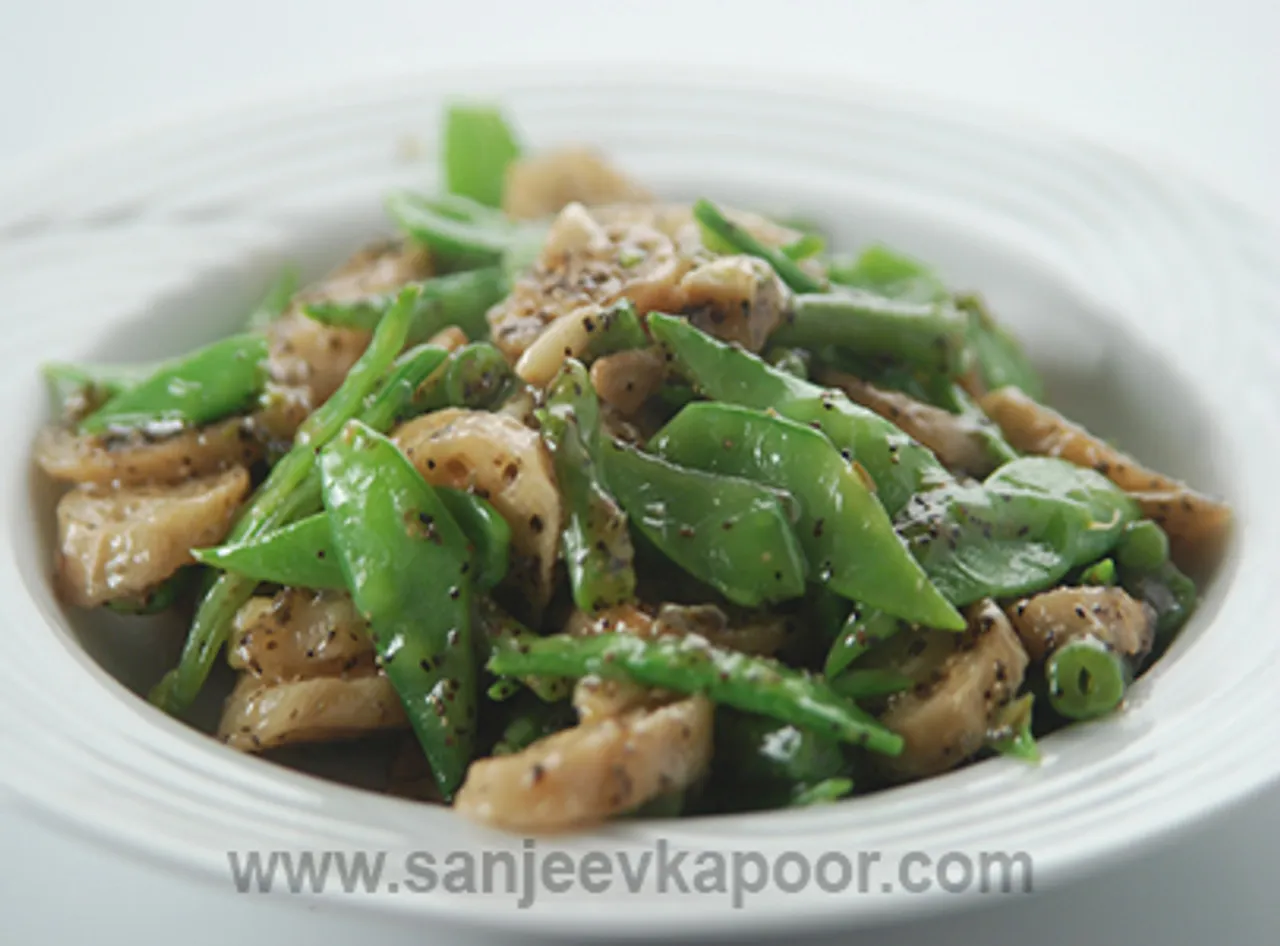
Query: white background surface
[(1192, 84)]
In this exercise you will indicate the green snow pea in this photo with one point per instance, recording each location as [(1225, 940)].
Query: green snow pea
[(407, 564), (897, 464), (1110, 508), (77, 390), (731, 533), (596, 544), (846, 536), (301, 555), (478, 146), (197, 389), (1030, 523), (466, 239)]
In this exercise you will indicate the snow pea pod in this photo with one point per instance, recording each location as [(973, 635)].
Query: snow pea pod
[(690, 665), (596, 544), (1109, 508), (301, 555), (729, 532), (897, 464), (477, 147), (727, 233), (77, 390), (204, 386), (930, 335), (463, 240), (292, 489), (460, 299), (1021, 531), (407, 563), (80, 389), (846, 536)]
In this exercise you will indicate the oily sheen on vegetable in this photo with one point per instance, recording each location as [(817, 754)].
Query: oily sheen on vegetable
[(581, 505)]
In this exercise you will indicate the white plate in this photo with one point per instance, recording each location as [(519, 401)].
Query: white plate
[(1148, 302)]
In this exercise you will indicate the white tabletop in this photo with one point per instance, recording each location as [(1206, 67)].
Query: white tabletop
[(1183, 82)]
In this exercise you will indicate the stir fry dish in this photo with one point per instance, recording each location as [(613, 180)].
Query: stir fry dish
[(598, 506)]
